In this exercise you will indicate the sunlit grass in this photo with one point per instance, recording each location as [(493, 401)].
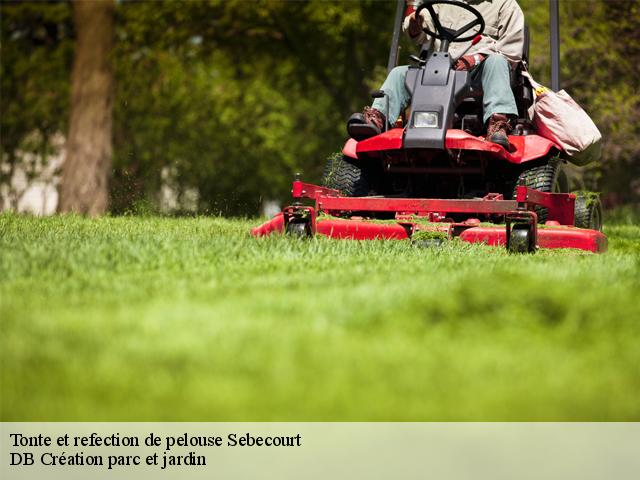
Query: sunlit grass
[(193, 319)]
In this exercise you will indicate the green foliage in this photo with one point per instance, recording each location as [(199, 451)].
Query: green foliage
[(230, 98), (236, 97), (124, 318), (429, 235), (600, 67), (36, 54)]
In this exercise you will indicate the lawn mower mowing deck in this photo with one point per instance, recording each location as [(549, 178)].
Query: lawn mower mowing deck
[(433, 176), (429, 222)]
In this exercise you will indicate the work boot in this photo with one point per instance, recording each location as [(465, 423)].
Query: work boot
[(367, 124), (498, 129)]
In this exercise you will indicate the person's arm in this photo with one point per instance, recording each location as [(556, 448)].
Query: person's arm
[(413, 27), (508, 43), (511, 32)]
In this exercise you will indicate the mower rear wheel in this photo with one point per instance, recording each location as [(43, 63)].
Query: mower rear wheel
[(520, 239), (549, 178), (342, 174), (588, 211)]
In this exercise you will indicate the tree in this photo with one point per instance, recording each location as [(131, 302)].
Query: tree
[(84, 186), (600, 53), (234, 97)]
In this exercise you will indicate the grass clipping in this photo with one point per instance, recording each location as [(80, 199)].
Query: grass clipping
[(420, 235)]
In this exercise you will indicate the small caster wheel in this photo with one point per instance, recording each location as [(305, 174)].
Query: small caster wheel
[(521, 239), (298, 229)]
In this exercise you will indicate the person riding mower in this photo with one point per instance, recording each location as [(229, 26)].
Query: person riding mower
[(491, 62), (433, 173)]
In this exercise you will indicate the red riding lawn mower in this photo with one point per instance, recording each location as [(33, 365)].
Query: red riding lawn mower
[(434, 177)]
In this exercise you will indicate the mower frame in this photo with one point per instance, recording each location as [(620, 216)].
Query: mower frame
[(413, 215)]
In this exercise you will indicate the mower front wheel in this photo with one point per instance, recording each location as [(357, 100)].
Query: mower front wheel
[(521, 239), (298, 229)]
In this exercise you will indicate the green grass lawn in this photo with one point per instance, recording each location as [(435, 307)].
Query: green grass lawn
[(192, 319)]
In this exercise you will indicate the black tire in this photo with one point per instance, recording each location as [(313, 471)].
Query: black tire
[(588, 211), (520, 240), (298, 229), (343, 175), (549, 178)]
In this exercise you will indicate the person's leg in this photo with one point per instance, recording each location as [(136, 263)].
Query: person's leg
[(498, 102), (397, 92), (371, 121), (496, 85)]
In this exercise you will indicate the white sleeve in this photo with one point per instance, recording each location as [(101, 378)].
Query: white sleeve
[(511, 32)]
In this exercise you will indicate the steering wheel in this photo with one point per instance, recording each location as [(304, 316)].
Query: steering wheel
[(444, 33)]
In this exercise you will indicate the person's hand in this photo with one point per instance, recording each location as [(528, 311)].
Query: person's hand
[(469, 62), (415, 25)]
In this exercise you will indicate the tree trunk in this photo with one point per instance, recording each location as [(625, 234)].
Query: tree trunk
[(85, 173)]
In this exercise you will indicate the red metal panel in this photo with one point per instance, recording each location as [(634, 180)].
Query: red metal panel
[(562, 237), (561, 205), (494, 236), (360, 230), (568, 237), (461, 140), (389, 140), (415, 205), (309, 190), (276, 224), (525, 148), (535, 147)]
